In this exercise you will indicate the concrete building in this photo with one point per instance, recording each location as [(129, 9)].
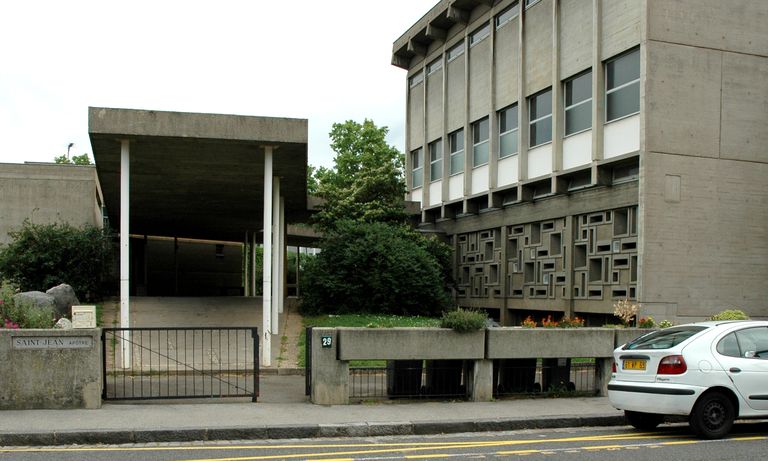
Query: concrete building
[(47, 193), (578, 152)]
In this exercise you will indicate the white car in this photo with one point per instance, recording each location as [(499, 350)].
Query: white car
[(712, 372)]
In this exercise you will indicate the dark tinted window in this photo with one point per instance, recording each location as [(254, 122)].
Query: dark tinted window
[(665, 339)]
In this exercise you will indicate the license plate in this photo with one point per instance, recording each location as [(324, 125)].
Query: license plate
[(634, 365)]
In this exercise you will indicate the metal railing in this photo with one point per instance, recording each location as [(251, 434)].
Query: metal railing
[(173, 363), (409, 379), (544, 377)]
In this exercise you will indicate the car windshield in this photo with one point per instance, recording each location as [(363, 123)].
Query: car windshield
[(664, 339)]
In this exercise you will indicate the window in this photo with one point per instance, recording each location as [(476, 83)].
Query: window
[(664, 339), (456, 145), (530, 3), (578, 103), (480, 142), (417, 168), (455, 52), (622, 86), (507, 14), (435, 65), (749, 343), (416, 79), (436, 160), (479, 34), (508, 131), (540, 118)]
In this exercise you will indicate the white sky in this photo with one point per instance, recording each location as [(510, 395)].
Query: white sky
[(326, 61)]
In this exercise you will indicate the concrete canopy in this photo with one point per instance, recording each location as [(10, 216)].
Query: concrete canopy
[(198, 175)]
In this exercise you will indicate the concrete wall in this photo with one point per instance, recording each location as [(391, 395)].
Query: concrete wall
[(409, 344), (704, 178), (47, 193), (506, 343), (48, 374)]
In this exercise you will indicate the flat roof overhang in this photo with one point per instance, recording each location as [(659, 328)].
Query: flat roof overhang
[(198, 175)]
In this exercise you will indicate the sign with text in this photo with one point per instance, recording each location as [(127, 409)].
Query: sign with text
[(52, 342), (326, 341)]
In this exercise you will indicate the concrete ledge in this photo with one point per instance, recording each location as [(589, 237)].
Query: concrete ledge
[(409, 344), (513, 343)]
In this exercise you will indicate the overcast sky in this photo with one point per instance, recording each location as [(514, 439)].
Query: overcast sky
[(326, 61)]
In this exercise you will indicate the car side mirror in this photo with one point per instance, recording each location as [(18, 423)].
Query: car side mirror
[(750, 354)]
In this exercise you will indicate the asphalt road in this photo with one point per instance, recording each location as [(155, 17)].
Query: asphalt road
[(748, 441)]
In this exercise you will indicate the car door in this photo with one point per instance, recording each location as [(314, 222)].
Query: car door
[(743, 355)]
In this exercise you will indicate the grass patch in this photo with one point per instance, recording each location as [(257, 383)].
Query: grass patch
[(361, 320)]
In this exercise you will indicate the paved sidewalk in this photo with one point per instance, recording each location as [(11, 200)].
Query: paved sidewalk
[(283, 412)]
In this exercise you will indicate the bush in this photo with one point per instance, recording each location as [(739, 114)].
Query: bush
[(41, 256), (730, 314), (22, 315), (464, 320), (376, 268)]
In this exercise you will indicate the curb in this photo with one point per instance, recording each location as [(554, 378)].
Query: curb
[(113, 437)]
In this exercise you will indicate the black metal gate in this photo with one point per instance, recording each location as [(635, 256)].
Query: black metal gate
[(173, 363)]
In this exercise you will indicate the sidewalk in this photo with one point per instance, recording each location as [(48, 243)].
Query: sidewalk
[(284, 412)]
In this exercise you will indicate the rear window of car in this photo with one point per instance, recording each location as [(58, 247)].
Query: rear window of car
[(664, 339)]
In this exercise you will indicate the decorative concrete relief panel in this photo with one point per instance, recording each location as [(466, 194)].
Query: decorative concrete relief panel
[(536, 259), (479, 259), (605, 255)]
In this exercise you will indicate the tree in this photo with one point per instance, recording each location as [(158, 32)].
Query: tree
[(76, 159), (41, 256), (378, 268), (366, 183)]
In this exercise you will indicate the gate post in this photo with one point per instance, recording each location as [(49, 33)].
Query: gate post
[(255, 337), (330, 376)]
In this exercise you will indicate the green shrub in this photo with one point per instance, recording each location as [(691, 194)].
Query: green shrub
[(375, 268), (22, 315), (464, 320), (41, 256), (730, 314)]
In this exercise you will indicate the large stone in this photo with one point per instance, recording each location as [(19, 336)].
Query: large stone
[(65, 298), (36, 299)]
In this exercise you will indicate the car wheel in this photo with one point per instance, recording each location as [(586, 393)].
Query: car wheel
[(643, 421), (712, 416)]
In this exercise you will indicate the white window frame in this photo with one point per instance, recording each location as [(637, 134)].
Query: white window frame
[(480, 34), (513, 9), (455, 51), (572, 106), (516, 129), (417, 168), (620, 87), (437, 160), (480, 143), (416, 79), (454, 153), (540, 119)]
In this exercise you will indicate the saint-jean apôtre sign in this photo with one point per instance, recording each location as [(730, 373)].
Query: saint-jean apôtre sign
[(52, 342)]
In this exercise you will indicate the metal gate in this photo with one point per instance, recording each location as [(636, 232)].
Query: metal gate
[(174, 363)]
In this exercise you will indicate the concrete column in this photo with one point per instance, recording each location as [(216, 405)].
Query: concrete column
[(603, 370), (125, 253), (283, 263), (253, 264), (598, 88), (266, 325), (481, 384), (522, 104), (558, 111), (274, 256), (246, 267), (330, 377)]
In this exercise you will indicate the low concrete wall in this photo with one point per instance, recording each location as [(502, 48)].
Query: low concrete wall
[(511, 342), (50, 369), (410, 344)]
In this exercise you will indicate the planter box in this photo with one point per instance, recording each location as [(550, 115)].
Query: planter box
[(519, 343), (409, 344)]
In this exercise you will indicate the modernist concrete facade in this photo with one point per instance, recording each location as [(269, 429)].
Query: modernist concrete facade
[(577, 152), (47, 193)]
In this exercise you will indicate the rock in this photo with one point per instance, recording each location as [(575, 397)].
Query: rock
[(36, 299), (64, 324), (65, 299)]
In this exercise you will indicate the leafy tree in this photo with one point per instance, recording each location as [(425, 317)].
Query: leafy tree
[(366, 183), (76, 159), (378, 268), (41, 256)]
